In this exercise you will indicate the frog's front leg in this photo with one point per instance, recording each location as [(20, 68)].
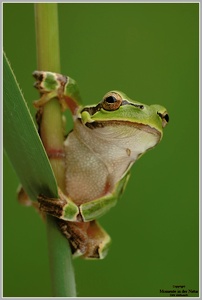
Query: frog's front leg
[(61, 207), (96, 208), (64, 208)]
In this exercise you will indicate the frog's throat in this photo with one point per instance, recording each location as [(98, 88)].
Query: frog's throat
[(140, 126)]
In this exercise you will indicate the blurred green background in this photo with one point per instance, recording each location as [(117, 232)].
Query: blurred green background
[(150, 52)]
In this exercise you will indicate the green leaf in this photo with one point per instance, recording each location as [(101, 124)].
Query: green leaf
[(22, 142), (28, 157)]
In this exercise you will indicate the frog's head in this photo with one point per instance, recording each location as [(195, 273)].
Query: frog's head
[(117, 107), (118, 116)]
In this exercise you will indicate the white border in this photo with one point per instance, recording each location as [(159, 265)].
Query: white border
[(1, 137)]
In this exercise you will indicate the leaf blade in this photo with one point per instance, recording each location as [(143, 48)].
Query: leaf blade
[(22, 142)]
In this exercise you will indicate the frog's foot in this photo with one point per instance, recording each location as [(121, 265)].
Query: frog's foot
[(51, 85), (47, 85), (86, 239), (44, 99), (61, 207), (98, 241), (24, 199), (54, 85)]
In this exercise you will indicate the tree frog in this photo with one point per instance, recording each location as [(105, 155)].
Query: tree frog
[(105, 142)]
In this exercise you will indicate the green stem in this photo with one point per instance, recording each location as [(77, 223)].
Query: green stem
[(46, 16), (51, 128)]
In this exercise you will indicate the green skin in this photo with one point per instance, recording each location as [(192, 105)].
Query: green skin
[(107, 139)]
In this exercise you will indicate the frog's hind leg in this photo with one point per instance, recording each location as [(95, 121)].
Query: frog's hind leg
[(76, 234), (98, 241), (86, 238), (24, 200)]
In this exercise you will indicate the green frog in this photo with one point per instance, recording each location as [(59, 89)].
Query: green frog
[(106, 140)]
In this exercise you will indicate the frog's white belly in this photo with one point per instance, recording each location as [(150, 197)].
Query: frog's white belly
[(85, 174), (96, 159)]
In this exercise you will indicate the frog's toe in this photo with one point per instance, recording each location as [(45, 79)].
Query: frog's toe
[(87, 239), (61, 207), (98, 242)]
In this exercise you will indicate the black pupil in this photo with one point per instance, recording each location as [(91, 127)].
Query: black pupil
[(110, 99)]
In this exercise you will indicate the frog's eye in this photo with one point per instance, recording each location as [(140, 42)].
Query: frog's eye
[(164, 117), (112, 101)]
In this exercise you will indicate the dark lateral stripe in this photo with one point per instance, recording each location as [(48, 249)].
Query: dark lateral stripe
[(139, 126), (93, 109)]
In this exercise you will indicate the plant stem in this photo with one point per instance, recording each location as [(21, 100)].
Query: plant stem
[(48, 59), (51, 129)]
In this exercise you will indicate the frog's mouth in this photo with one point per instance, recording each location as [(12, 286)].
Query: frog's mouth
[(139, 126)]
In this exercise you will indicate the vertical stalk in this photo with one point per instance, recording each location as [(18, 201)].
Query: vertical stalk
[(51, 129), (48, 59)]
